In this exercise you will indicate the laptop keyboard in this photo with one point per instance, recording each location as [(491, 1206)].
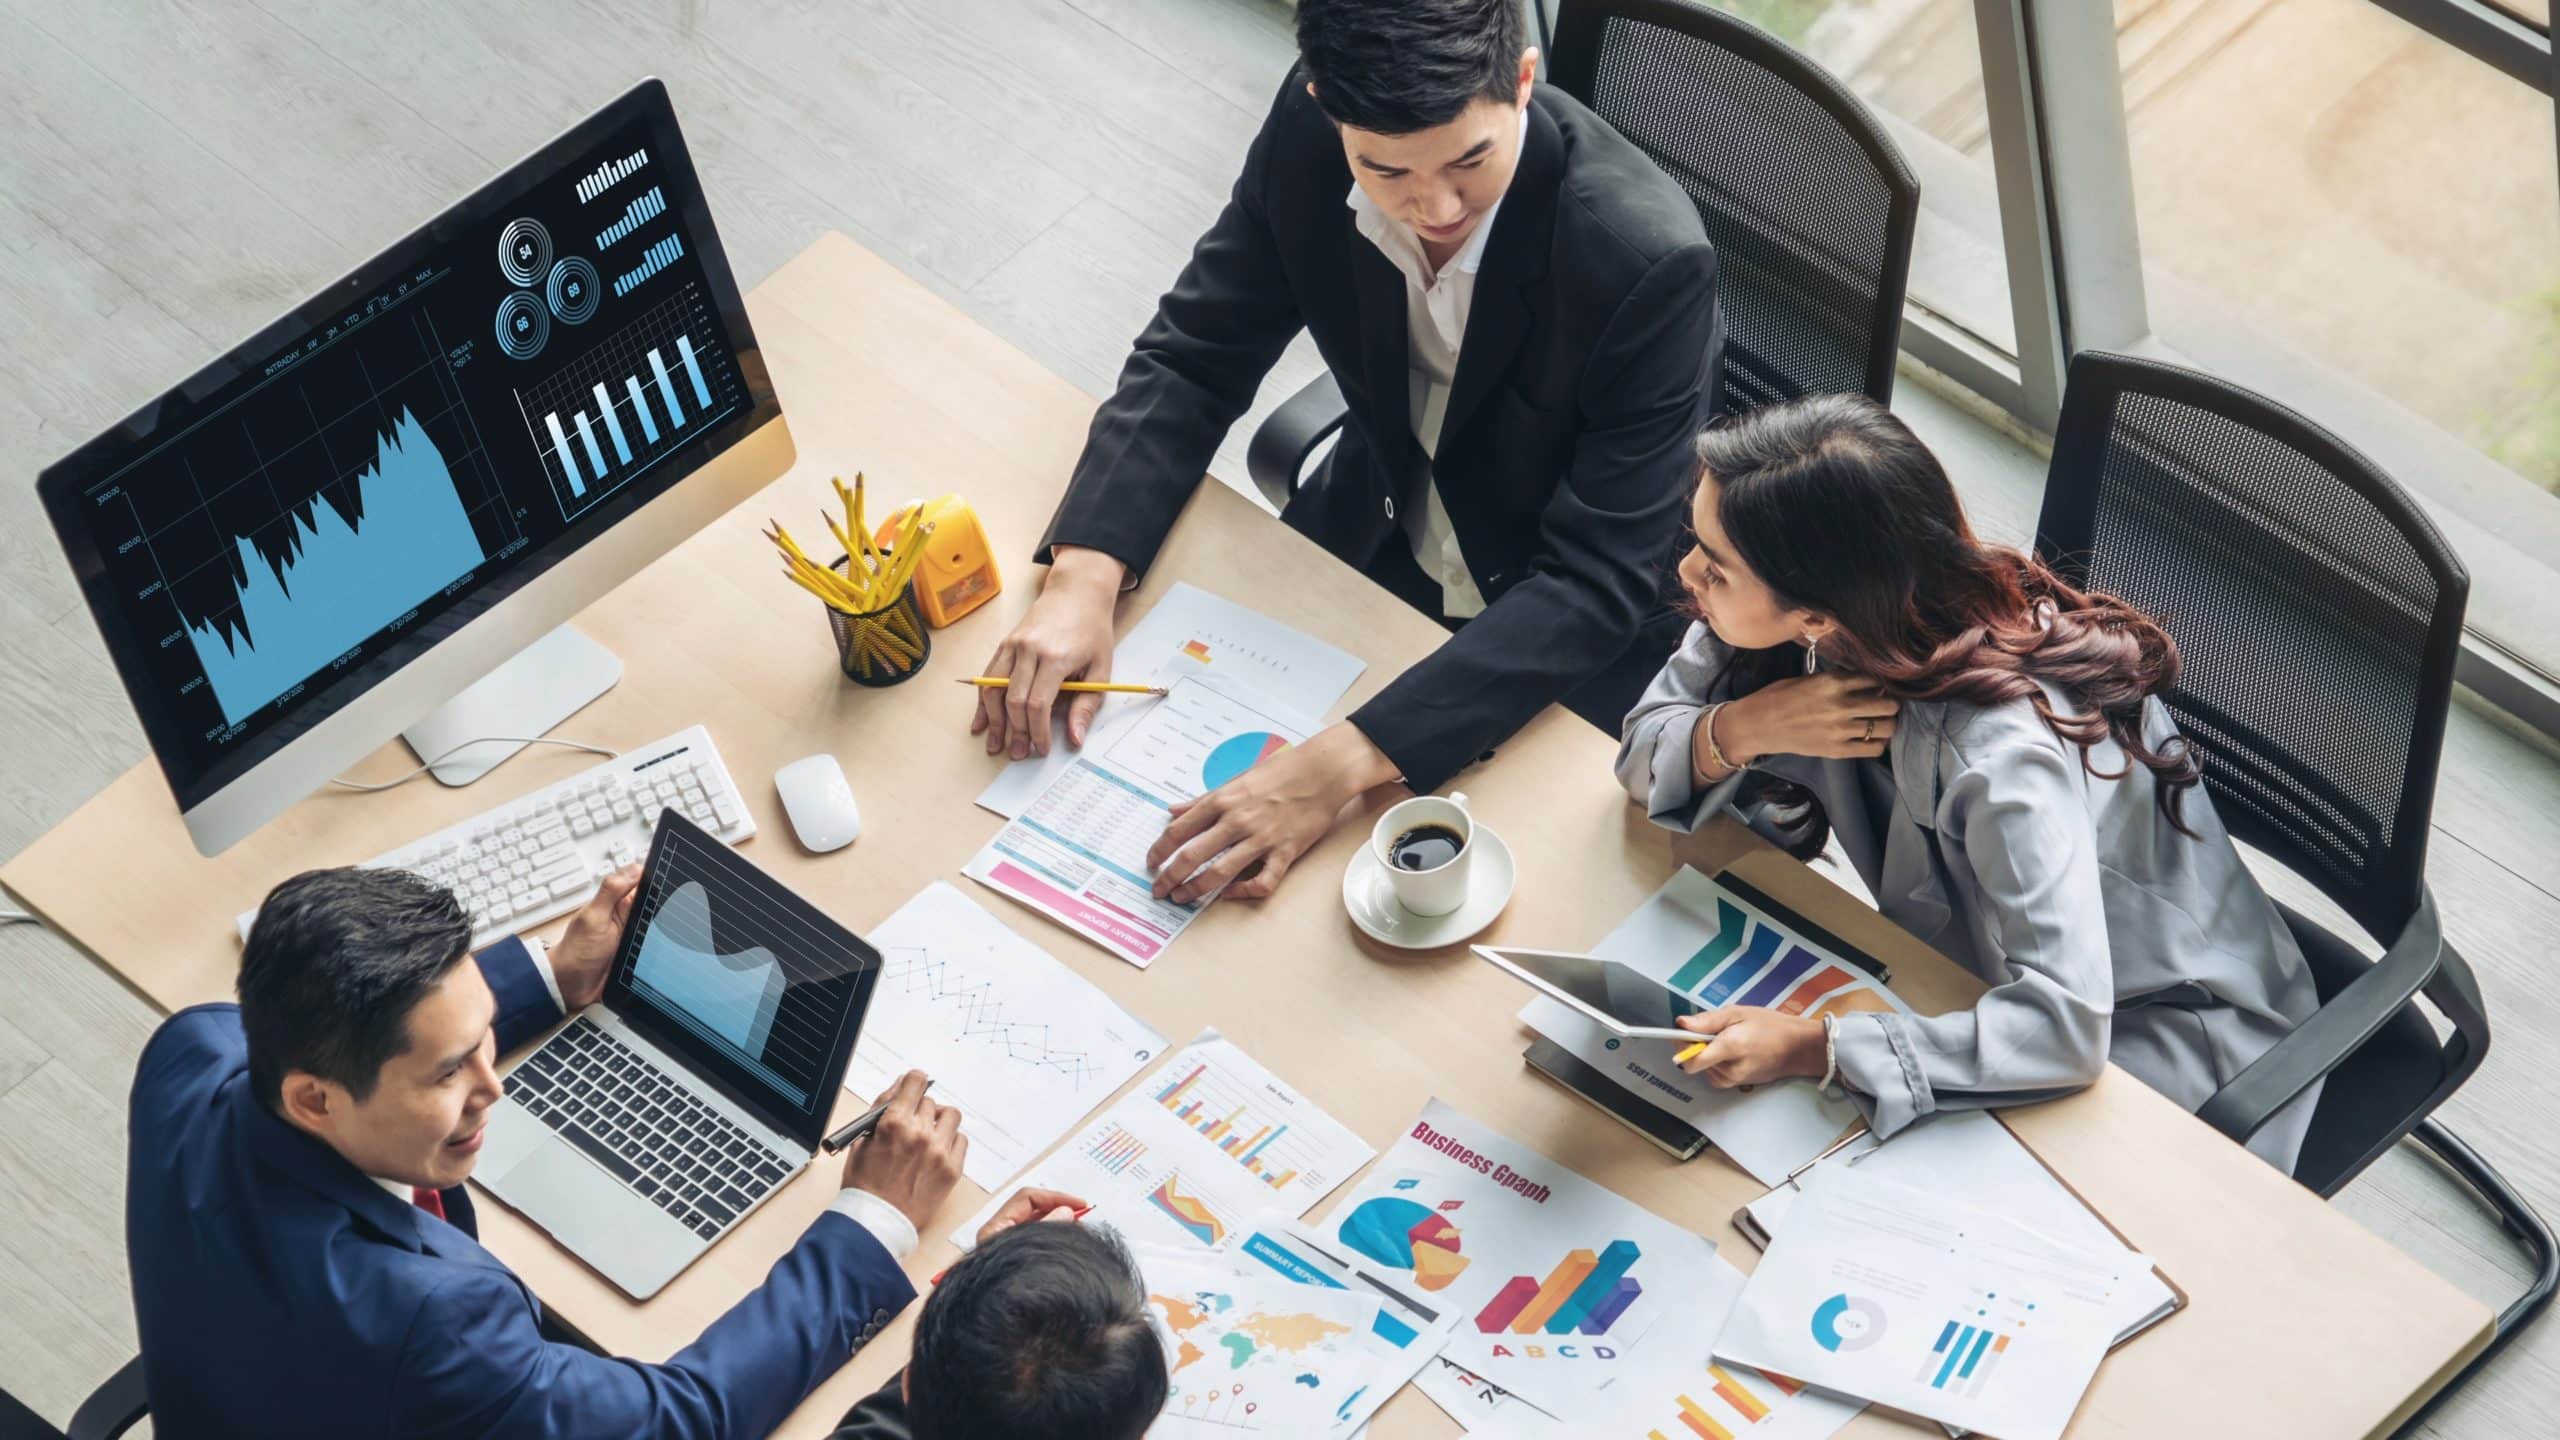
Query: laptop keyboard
[(637, 1121)]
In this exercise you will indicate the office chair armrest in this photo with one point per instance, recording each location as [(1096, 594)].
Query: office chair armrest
[(2335, 1031), (112, 1408), (1279, 449)]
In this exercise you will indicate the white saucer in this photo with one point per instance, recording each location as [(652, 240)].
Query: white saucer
[(1371, 899)]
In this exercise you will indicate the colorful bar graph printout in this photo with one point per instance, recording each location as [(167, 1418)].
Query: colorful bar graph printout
[(1795, 962)]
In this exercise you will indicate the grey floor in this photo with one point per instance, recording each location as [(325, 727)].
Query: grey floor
[(176, 174)]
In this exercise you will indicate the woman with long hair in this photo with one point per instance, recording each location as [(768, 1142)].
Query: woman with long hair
[(1987, 745)]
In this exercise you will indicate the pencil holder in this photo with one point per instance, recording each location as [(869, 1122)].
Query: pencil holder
[(882, 647)]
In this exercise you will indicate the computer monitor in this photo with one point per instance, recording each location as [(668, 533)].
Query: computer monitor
[(417, 476)]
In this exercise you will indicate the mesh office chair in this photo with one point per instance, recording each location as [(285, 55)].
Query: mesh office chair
[(2318, 614), (115, 1407), (1809, 205)]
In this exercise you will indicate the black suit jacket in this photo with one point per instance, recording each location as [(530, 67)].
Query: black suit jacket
[(1591, 359)]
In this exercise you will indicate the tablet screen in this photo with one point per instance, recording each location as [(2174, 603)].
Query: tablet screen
[(1620, 992)]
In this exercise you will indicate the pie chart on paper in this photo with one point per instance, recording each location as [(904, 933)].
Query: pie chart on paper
[(1238, 753)]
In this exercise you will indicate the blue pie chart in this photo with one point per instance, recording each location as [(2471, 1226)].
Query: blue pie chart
[(1847, 1322), (1238, 753)]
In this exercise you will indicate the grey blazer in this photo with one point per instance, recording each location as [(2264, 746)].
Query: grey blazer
[(2104, 933)]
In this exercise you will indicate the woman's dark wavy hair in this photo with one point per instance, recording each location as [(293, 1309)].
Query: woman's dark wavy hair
[(1834, 503)]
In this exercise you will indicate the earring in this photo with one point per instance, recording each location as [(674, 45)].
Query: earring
[(1812, 652)]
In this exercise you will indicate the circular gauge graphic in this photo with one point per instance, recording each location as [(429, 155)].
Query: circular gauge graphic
[(1847, 1322), (573, 291), (523, 325), (524, 251)]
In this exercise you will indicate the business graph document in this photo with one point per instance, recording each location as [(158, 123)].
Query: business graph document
[(1971, 1151), (1022, 1044), (1402, 1338), (1678, 1390), (1250, 1352), (1188, 633), (1908, 1299), (1209, 1144), (1554, 1279), (1704, 940), (1078, 853)]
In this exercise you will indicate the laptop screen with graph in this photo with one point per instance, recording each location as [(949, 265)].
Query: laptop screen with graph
[(343, 491), (757, 988)]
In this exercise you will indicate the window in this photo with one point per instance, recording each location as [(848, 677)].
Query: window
[(2379, 205), (2363, 193), (1919, 67)]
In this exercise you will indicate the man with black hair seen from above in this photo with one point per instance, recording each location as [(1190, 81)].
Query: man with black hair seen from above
[(1041, 1333), (1520, 310), (304, 1253)]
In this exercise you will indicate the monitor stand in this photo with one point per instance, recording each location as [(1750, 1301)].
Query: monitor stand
[(546, 683)]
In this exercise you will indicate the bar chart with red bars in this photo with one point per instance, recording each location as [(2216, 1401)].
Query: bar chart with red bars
[(1221, 1108)]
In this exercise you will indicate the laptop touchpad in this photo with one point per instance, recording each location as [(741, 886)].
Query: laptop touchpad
[(633, 1243)]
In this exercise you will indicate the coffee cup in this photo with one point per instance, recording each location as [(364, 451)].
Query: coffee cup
[(1426, 845)]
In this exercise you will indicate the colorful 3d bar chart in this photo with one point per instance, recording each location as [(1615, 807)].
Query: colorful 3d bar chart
[(1587, 1291)]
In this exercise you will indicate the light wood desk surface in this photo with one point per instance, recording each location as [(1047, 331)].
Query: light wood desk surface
[(2302, 1322)]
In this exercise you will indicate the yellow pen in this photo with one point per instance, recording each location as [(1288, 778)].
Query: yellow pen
[(1695, 1049)]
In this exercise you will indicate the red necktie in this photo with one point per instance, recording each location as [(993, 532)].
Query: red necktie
[(431, 1201)]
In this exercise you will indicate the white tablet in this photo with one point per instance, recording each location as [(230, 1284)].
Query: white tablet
[(1624, 1000)]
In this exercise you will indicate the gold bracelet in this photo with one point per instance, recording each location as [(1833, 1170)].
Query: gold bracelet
[(1707, 723)]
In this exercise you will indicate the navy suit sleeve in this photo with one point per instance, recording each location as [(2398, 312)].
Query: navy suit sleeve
[(475, 1364), (1196, 366), (524, 1002), (1605, 539)]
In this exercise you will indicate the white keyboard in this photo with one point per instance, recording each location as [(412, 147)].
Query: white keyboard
[(540, 856)]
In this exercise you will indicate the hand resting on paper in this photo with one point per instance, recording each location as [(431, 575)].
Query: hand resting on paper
[(1258, 824), (1751, 1045), (1065, 636)]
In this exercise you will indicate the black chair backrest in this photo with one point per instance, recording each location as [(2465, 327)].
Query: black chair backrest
[(2317, 612), (1810, 206)]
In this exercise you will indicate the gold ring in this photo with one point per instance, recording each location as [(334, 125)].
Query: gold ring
[(1867, 731)]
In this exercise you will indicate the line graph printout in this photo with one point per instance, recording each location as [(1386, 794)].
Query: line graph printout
[(1166, 1164), (1022, 1044)]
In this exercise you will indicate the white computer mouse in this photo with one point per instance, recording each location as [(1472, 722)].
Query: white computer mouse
[(819, 802)]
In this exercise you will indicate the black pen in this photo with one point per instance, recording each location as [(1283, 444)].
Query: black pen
[(859, 1126)]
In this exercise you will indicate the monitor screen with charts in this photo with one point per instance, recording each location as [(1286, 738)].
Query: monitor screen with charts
[(351, 487), (754, 986)]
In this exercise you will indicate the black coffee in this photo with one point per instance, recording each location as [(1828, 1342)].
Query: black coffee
[(1426, 847)]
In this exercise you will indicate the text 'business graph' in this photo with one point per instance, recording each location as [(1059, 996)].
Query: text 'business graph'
[(651, 388)]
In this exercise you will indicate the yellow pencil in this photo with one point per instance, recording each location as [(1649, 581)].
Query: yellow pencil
[(1073, 687), (1694, 1050)]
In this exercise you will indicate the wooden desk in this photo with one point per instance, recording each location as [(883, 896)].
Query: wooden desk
[(2302, 1323)]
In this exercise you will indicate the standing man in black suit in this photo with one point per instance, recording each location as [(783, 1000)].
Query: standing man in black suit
[(1520, 309)]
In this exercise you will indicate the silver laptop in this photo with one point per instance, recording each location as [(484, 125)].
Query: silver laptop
[(644, 1129)]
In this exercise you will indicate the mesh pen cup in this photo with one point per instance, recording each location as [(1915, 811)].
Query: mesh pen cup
[(882, 647)]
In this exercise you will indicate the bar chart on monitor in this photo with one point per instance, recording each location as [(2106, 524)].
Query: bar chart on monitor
[(649, 389)]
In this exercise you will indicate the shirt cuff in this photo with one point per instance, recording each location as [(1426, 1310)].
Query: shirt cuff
[(886, 1222), (1880, 1072), (541, 954)]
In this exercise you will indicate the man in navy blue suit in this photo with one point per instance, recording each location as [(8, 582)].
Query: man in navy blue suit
[(302, 1244)]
